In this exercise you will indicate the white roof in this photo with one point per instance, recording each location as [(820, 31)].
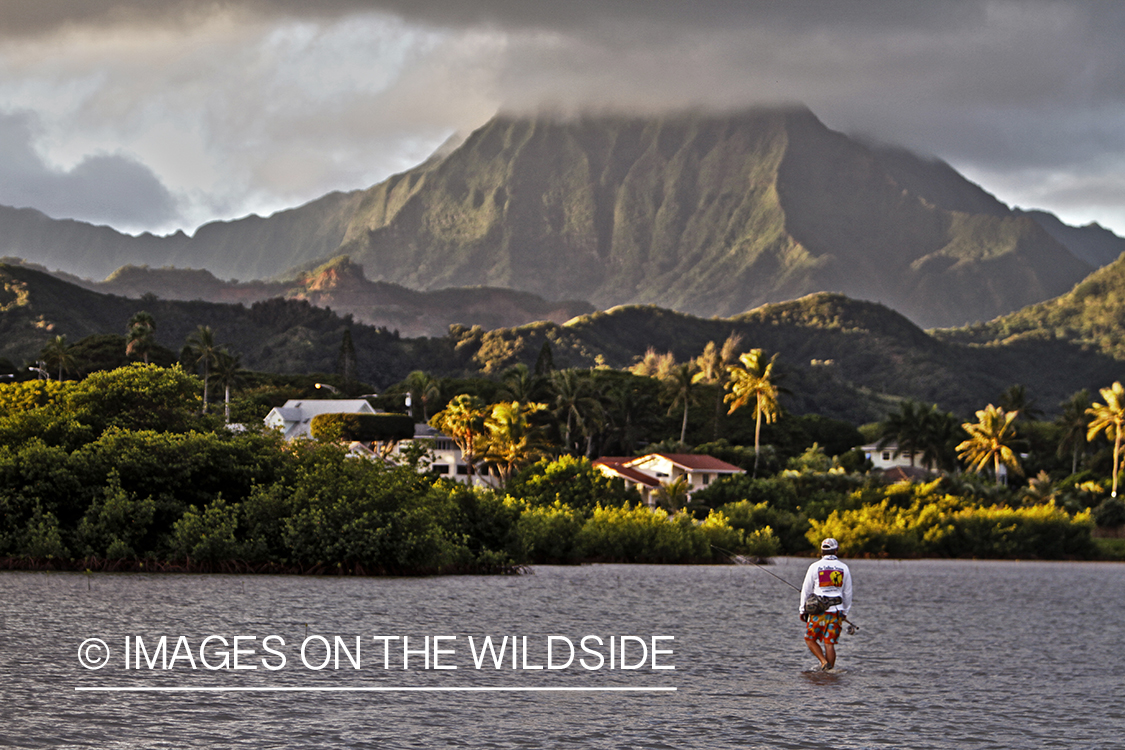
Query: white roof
[(310, 407), (296, 414)]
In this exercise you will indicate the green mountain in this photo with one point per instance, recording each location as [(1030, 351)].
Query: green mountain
[(706, 214), (843, 358)]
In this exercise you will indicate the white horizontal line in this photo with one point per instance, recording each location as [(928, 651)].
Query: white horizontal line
[(178, 689)]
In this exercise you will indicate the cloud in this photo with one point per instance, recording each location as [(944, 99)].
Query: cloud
[(109, 188), (257, 104)]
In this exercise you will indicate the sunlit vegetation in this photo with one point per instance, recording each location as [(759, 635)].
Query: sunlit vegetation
[(123, 469)]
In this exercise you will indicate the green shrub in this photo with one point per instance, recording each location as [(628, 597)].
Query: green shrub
[(762, 543), (786, 527), (31, 394), (638, 534), (548, 533), (117, 523), (949, 528), (42, 537), (366, 428), (207, 535), (574, 482), (138, 397), (777, 492), (1110, 513)]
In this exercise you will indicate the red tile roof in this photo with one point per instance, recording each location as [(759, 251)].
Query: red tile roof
[(903, 473), (617, 465), (693, 462)]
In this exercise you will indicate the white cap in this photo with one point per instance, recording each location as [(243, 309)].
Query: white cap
[(829, 545)]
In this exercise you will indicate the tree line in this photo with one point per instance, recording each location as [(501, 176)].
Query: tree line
[(526, 424)]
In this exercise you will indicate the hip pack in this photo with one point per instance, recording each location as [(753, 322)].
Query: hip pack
[(818, 605)]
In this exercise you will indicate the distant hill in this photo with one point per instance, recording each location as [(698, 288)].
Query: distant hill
[(249, 248), (1092, 315), (340, 285), (844, 358), (1092, 243), (711, 215)]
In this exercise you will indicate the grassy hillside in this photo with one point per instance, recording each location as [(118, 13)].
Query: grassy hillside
[(1091, 315), (842, 358)]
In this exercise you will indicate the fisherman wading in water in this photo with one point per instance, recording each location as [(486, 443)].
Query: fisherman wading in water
[(826, 599)]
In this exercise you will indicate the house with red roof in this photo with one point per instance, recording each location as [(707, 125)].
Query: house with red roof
[(647, 473), (614, 466)]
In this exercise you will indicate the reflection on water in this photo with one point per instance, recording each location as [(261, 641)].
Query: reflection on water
[(951, 654)]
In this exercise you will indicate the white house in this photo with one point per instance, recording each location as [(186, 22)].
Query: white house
[(889, 456), (446, 456), (294, 417), (648, 472)]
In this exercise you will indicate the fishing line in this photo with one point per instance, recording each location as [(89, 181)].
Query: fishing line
[(742, 560)]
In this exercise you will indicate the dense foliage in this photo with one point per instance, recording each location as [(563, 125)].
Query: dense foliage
[(366, 428), (121, 469)]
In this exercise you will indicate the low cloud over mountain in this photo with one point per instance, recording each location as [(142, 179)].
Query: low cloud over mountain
[(102, 188)]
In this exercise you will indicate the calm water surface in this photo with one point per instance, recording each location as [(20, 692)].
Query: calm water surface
[(951, 654)]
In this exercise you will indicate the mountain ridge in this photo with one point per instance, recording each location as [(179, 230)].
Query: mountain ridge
[(342, 286), (712, 215), (709, 215), (846, 358)]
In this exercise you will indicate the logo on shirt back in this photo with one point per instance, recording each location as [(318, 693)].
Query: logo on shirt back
[(830, 577)]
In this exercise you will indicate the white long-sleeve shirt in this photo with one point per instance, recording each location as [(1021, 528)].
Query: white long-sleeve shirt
[(828, 577)]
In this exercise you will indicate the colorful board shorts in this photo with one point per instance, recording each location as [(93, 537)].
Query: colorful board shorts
[(824, 627)]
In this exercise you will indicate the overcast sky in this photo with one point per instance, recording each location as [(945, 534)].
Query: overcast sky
[(157, 115)]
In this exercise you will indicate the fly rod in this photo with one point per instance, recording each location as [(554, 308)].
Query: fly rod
[(742, 559)]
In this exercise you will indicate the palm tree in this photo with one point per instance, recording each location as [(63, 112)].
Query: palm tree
[(920, 431), (425, 390), (942, 433), (1110, 418), (673, 495), (521, 384), (142, 335), (202, 349), (679, 388), (654, 365), (754, 380), (990, 441), (906, 428), (57, 354), (1074, 422), (463, 421), (574, 402), (228, 373), (511, 441), (713, 364), (1015, 399)]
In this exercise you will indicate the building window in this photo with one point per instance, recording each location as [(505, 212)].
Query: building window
[(706, 479), (886, 455), (462, 470), (440, 468)]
